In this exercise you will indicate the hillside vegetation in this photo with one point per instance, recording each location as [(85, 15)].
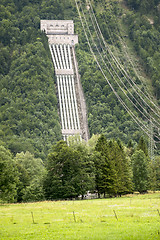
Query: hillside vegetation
[(105, 113), (28, 104), (34, 163), (143, 23)]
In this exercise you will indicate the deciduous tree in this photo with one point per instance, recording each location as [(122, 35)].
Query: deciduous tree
[(31, 174), (70, 172)]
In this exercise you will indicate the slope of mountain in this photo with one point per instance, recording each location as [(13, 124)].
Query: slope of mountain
[(28, 104)]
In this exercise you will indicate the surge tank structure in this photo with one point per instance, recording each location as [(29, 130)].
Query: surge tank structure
[(72, 107)]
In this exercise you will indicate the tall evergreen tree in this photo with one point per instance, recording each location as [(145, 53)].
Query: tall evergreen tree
[(123, 169), (140, 171), (105, 169), (8, 176), (154, 174), (113, 172), (143, 145)]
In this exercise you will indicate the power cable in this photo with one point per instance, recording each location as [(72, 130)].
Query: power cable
[(120, 67), (118, 97), (117, 74)]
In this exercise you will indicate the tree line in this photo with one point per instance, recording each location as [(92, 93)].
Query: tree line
[(102, 166)]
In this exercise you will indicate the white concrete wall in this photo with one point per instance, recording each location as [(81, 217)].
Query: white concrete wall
[(60, 26), (63, 39), (64, 71)]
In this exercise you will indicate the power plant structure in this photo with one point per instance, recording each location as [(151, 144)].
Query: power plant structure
[(72, 107)]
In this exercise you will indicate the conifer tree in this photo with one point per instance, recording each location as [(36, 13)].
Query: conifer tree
[(113, 172), (140, 171), (105, 169), (123, 169), (8, 176), (142, 145)]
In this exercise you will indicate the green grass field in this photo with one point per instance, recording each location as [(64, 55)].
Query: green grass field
[(130, 217)]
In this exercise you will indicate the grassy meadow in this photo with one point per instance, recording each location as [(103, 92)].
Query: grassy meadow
[(129, 217)]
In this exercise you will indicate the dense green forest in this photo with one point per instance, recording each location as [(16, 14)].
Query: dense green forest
[(144, 31), (28, 105), (29, 121), (105, 114), (105, 167)]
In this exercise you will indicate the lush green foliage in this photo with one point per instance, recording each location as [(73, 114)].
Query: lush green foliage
[(31, 175), (144, 31), (102, 166), (142, 146), (21, 177), (70, 172), (140, 171), (105, 113), (154, 174), (8, 176), (29, 122), (28, 104), (144, 5), (113, 175)]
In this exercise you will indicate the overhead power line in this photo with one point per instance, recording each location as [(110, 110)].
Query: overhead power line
[(119, 65), (134, 117), (133, 97)]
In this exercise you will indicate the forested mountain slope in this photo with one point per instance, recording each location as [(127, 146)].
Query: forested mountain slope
[(132, 76), (144, 30), (28, 104), (29, 117)]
